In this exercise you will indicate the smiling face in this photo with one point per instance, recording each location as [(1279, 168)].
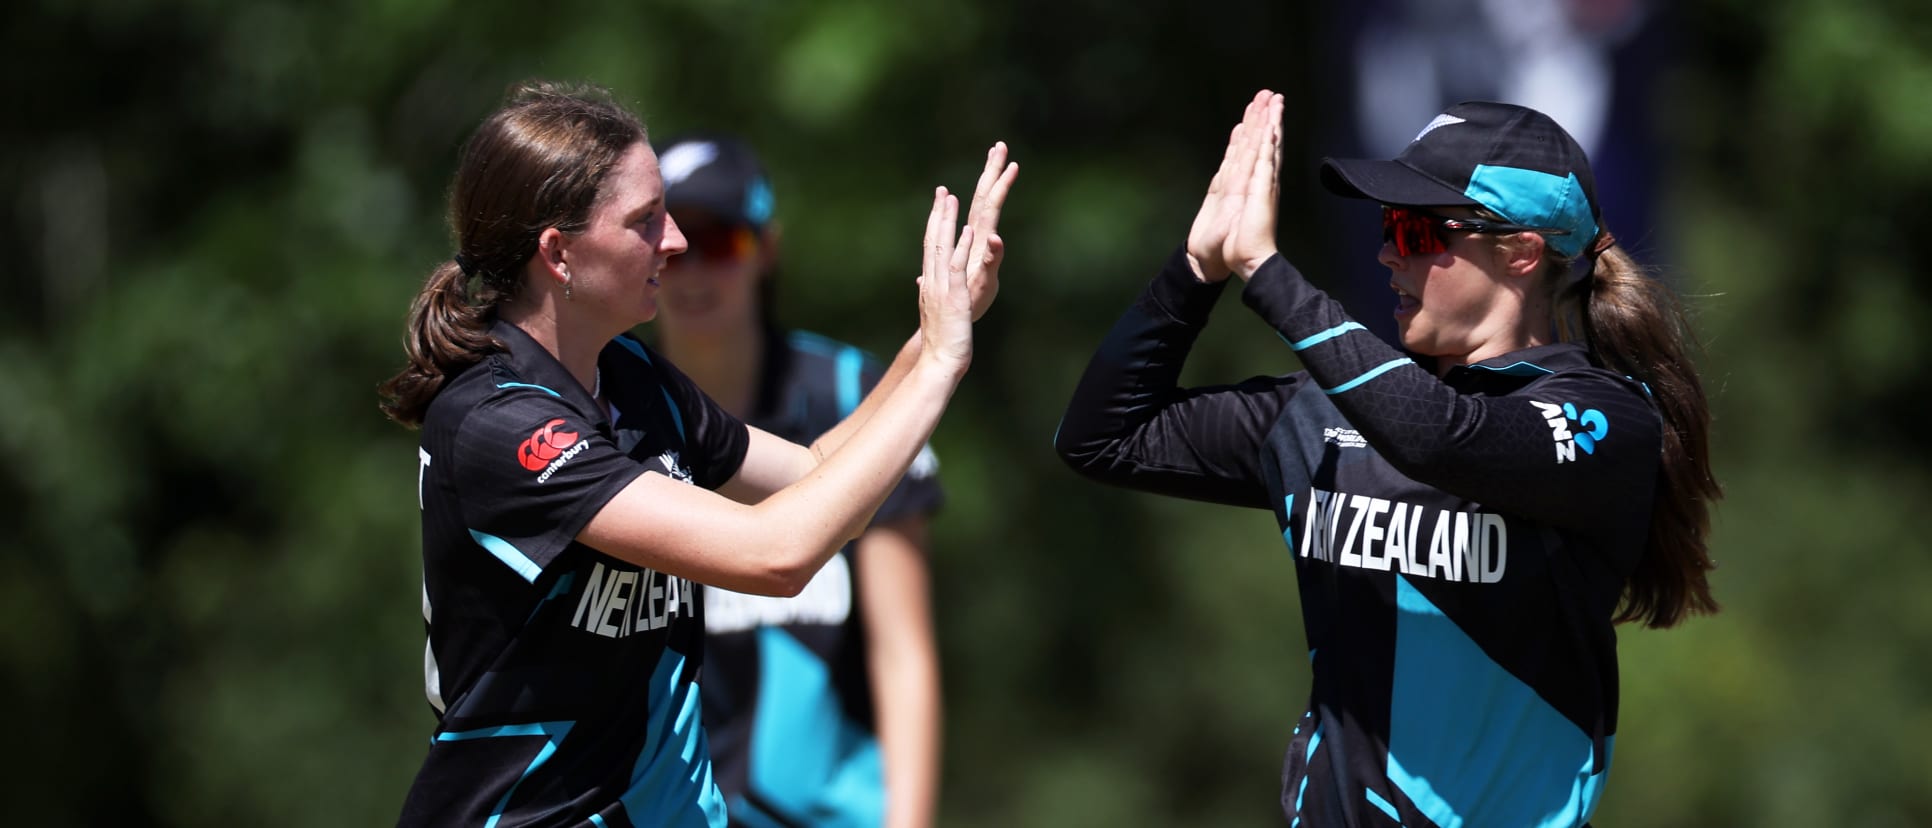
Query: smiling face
[(1461, 305), (615, 261)]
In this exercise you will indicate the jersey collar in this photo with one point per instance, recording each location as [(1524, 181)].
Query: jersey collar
[(1517, 368), (1536, 361), (533, 364)]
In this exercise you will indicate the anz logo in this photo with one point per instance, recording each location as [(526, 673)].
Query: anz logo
[(1572, 429)]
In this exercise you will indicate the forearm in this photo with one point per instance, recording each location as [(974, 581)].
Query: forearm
[(773, 547), (1130, 424), (903, 667), (1139, 361), (838, 497), (908, 710)]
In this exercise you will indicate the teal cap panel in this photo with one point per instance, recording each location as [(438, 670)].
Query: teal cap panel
[(1537, 199)]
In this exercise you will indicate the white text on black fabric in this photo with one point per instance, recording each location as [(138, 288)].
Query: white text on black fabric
[(618, 602), (1391, 536)]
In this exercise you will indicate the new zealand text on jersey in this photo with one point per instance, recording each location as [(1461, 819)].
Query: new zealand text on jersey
[(618, 602), (1387, 535)]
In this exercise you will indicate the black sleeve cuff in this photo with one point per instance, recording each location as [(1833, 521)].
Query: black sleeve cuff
[(1280, 296), (1177, 295)]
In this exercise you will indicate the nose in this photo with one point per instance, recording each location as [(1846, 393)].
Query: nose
[(1387, 257), (673, 242)]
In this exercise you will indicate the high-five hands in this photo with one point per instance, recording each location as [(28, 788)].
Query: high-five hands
[(989, 195), (959, 277), (1235, 228)]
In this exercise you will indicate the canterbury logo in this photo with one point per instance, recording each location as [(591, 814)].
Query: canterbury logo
[(545, 445)]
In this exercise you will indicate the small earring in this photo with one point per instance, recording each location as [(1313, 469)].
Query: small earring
[(566, 277), (566, 291)]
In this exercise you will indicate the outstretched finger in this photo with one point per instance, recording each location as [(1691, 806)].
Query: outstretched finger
[(1276, 106), (1242, 172), (956, 266), (948, 228), (986, 223), (1265, 153), (988, 203), (995, 162), (935, 222)]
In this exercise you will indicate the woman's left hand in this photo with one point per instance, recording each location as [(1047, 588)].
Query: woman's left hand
[(1257, 189), (945, 306)]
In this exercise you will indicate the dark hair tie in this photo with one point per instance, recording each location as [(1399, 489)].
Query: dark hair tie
[(1605, 241), (464, 264)]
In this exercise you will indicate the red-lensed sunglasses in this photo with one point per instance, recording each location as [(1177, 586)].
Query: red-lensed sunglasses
[(1420, 233), (717, 243)]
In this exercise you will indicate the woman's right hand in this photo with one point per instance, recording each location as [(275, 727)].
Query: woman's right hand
[(945, 303), (1225, 196), (988, 249)]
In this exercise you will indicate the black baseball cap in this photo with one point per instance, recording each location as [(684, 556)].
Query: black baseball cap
[(717, 174), (1511, 159)]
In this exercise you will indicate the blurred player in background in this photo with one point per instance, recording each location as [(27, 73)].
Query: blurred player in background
[(824, 708)]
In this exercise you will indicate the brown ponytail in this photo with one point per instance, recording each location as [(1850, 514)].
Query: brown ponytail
[(534, 164), (446, 333), (1634, 325)]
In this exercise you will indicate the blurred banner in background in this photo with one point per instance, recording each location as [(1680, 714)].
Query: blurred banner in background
[(217, 212)]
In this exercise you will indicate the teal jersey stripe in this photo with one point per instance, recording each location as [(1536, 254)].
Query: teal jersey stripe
[(552, 732), (1287, 520), (528, 385), (1324, 336), (850, 361), (1383, 804), (1314, 741), (1372, 373), (1518, 368), (809, 763), (632, 346), (671, 782), (1470, 743), (508, 554)]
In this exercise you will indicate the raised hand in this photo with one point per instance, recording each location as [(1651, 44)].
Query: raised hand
[(1207, 240), (988, 249), (1250, 239), (945, 305)]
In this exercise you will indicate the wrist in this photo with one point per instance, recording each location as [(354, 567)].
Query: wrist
[(1247, 266), (1206, 272), (935, 364)]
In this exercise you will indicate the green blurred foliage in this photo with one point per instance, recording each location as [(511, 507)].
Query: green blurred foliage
[(209, 573)]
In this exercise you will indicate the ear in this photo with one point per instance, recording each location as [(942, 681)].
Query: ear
[(1523, 255), (768, 246), (551, 259)]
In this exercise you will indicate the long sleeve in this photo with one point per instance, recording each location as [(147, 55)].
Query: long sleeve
[(1129, 424), (1568, 448)]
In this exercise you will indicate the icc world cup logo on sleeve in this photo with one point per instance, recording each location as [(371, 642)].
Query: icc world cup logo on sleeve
[(548, 449)]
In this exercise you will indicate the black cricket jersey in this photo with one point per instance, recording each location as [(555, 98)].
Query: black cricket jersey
[(564, 680), (1460, 544), (787, 692)]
